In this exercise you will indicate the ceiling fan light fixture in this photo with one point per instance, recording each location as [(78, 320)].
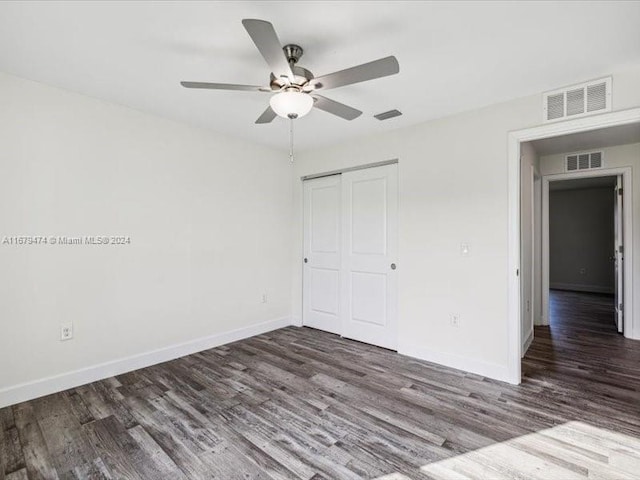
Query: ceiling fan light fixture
[(291, 104)]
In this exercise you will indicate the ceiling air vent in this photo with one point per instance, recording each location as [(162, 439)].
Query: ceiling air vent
[(388, 115), (580, 100), (583, 161)]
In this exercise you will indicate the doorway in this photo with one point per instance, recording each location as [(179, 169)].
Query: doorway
[(617, 128), (585, 252), (602, 258), (350, 254)]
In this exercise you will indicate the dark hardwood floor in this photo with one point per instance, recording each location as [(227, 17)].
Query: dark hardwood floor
[(302, 404), (581, 312)]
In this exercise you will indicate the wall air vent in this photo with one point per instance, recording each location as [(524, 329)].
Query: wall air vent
[(583, 161), (587, 98), (388, 115)]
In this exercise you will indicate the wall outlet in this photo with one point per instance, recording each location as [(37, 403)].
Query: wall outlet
[(465, 249), (455, 320), (66, 331), (583, 271), (264, 298)]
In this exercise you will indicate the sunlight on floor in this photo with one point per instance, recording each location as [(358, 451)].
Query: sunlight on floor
[(573, 450)]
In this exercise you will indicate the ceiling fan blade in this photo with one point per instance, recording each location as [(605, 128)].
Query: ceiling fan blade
[(367, 71), (264, 36), (337, 108), (267, 116), (224, 86)]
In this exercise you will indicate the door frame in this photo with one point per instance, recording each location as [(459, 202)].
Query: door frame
[(514, 139), (627, 227), (526, 343)]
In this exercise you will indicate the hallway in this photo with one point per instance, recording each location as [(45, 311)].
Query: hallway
[(581, 353)]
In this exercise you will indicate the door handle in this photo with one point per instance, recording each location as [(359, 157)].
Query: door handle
[(393, 266), (305, 260)]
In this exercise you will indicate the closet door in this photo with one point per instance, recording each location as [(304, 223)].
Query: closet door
[(322, 260), (369, 255)]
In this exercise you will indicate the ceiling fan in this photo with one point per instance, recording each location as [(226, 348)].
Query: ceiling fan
[(295, 87)]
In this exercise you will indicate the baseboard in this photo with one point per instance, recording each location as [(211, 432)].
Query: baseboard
[(576, 287), (296, 321), (527, 343), (57, 383), (466, 364)]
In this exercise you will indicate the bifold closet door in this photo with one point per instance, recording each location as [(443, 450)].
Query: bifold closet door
[(369, 255), (322, 244)]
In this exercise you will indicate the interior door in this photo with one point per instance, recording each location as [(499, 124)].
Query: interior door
[(618, 255), (369, 260), (322, 261)]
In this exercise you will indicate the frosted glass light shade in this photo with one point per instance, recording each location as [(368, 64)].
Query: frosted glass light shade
[(291, 104)]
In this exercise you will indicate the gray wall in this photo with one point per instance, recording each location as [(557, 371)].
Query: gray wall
[(581, 239)]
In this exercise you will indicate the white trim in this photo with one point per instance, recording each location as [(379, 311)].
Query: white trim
[(544, 313), (57, 383), (527, 343), (486, 369), (627, 185), (529, 316), (584, 124), (576, 287)]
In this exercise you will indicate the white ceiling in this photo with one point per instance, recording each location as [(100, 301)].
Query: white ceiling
[(453, 56), (600, 138)]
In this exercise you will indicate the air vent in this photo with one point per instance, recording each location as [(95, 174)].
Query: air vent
[(388, 115), (580, 100), (583, 161), (555, 106)]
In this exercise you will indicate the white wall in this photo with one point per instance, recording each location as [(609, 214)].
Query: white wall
[(581, 239), (209, 220), (614, 157), (453, 190)]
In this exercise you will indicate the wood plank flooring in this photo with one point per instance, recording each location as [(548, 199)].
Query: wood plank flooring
[(302, 404)]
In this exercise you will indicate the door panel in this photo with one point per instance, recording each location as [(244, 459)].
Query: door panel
[(322, 244), (369, 219), (324, 292), (369, 298)]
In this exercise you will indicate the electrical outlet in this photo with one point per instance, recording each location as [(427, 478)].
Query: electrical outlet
[(465, 249), (264, 298), (583, 271), (66, 331), (455, 321)]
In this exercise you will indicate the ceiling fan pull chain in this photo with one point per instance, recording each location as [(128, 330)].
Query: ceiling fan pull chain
[(291, 140)]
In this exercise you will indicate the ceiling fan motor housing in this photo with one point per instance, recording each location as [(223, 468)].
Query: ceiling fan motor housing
[(301, 79), (302, 75)]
